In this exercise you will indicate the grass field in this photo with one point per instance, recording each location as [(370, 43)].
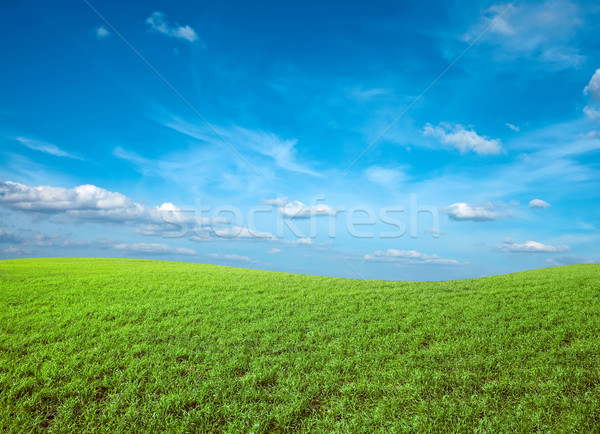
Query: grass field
[(133, 345)]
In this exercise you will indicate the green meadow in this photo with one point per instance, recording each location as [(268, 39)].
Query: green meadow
[(91, 345)]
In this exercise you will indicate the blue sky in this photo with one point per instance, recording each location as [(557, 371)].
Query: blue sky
[(230, 133)]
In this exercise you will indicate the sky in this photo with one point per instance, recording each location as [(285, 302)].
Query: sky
[(379, 140)]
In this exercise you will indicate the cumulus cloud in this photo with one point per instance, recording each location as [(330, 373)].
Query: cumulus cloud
[(47, 148), (101, 33), (509, 245), (297, 209), (85, 203), (158, 22), (592, 113), (593, 87), (538, 203), (464, 211), (153, 248), (465, 140), (409, 257)]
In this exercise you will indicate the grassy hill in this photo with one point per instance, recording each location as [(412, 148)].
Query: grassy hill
[(92, 344)]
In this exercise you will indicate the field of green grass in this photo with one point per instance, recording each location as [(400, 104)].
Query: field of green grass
[(133, 345)]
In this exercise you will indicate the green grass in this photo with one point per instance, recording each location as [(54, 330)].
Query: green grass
[(132, 345)]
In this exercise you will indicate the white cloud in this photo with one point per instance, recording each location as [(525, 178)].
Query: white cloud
[(274, 251), (12, 250), (515, 128), (281, 151), (153, 248), (158, 22), (509, 245), (408, 256), (538, 203), (241, 232), (385, 176), (463, 211), (592, 113), (278, 202), (231, 257), (501, 25), (47, 148), (297, 209), (39, 239), (86, 203), (304, 241), (593, 87), (102, 33), (541, 32), (462, 139)]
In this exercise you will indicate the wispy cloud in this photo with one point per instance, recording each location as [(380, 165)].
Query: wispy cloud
[(515, 128), (509, 245), (153, 248), (362, 94), (17, 251), (8, 237), (539, 31), (282, 151), (278, 202), (570, 259), (538, 203), (386, 177), (158, 22), (231, 257), (409, 257), (47, 148), (241, 232), (465, 140), (32, 238)]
